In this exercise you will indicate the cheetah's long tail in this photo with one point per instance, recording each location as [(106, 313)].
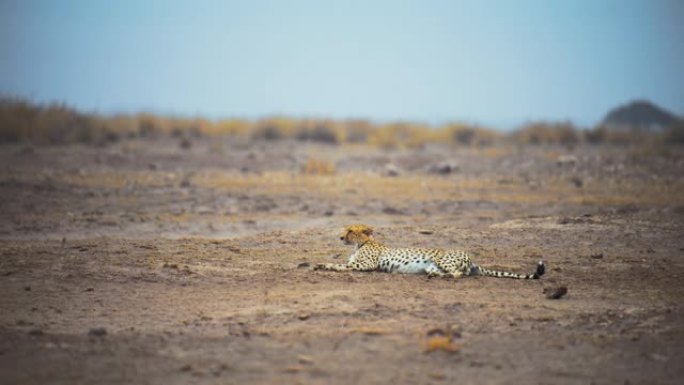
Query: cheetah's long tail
[(541, 269)]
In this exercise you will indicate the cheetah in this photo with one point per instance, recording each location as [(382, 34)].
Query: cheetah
[(371, 255)]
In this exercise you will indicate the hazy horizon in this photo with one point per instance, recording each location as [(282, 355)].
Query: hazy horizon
[(496, 63)]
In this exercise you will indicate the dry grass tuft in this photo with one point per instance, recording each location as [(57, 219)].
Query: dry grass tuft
[(316, 166), (441, 342)]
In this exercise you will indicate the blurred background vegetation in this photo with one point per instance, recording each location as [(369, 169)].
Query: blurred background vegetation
[(55, 124)]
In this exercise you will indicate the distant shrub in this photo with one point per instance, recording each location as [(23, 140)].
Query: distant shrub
[(537, 133), (273, 129), (149, 126), (357, 131), (674, 134), (604, 135), (464, 136), (401, 135), (233, 127), (598, 135), (387, 137), (52, 124), (318, 131), (266, 131), (417, 135)]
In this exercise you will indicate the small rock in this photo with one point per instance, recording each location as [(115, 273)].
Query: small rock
[(596, 255), (391, 170), (577, 182), (27, 288), (36, 332), (566, 160), (437, 376), (302, 265), (329, 213), (564, 220), (392, 210), (97, 332), (186, 368), (436, 332), (556, 293), (444, 168), (89, 289), (304, 316), (204, 210), (658, 357), (185, 143), (305, 360), (425, 231)]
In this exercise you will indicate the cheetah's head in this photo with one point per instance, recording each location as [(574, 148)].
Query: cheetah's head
[(356, 234)]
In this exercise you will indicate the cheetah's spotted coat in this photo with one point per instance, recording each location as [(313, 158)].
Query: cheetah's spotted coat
[(372, 255)]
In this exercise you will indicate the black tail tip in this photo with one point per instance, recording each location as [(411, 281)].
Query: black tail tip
[(541, 269)]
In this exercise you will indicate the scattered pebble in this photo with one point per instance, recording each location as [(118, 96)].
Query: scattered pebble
[(578, 182), (303, 265), (186, 368), (185, 143), (27, 288), (305, 360), (556, 293), (437, 376), (97, 332), (658, 357), (425, 231), (596, 255), (391, 170), (444, 168), (304, 316), (566, 160), (392, 210)]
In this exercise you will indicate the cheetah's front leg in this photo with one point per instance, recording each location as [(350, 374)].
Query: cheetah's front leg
[(331, 267)]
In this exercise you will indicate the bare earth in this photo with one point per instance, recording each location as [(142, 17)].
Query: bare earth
[(143, 263)]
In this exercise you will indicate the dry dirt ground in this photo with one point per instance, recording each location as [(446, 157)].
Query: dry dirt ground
[(143, 262)]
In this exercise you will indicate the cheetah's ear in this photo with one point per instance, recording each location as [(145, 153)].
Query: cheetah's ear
[(367, 230)]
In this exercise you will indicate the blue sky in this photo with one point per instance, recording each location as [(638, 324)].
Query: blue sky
[(498, 63)]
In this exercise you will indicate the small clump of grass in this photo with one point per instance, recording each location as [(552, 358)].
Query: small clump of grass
[(315, 166)]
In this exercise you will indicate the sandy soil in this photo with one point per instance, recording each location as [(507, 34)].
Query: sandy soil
[(143, 263)]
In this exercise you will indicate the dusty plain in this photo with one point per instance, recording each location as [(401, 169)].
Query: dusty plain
[(144, 262)]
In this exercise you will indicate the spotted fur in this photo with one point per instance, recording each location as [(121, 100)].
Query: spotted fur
[(371, 255)]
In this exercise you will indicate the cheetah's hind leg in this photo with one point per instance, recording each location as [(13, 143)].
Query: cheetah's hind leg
[(433, 271)]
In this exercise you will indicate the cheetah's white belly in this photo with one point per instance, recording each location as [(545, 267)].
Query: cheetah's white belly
[(418, 266)]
